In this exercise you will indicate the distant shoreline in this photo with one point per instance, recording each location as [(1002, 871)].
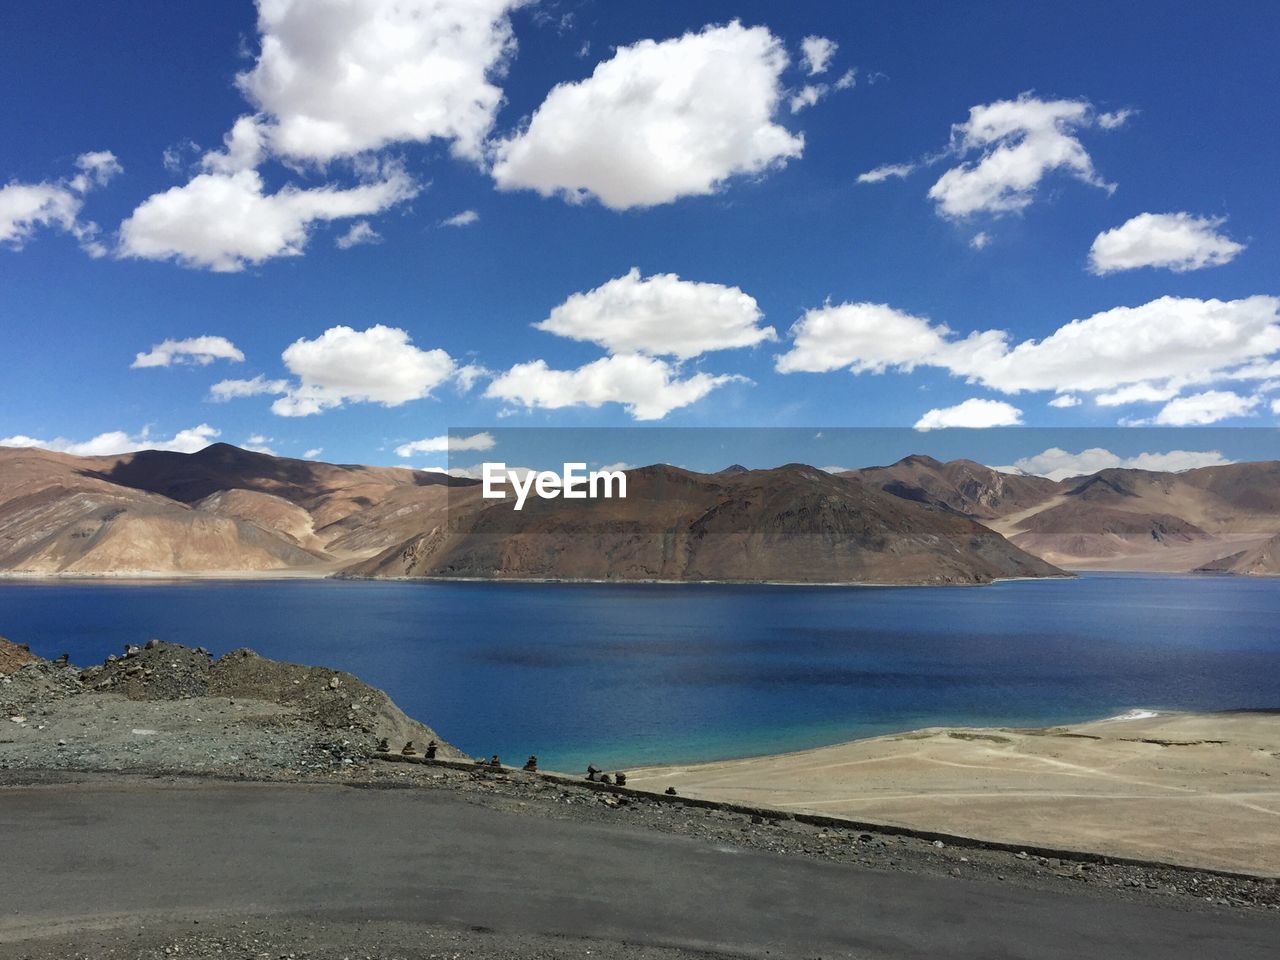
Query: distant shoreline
[(286, 576)]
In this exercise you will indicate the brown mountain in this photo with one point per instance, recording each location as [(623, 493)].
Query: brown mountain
[(793, 523), (964, 486), (1260, 561), (220, 511), (1114, 519)]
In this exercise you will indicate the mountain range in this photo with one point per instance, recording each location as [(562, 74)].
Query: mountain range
[(225, 511)]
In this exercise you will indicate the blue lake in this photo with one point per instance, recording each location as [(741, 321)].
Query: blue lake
[(624, 674)]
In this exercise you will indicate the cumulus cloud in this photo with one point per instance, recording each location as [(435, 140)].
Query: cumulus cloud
[(190, 440), (1006, 149), (341, 77), (1065, 401), (200, 351), (972, 413), (26, 208), (377, 365), (1170, 340), (225, 390), (227, 221), (1208, 407), (1016, 144), (647, 387), (463, 219), (1175, 241), (816, 54), (864, 337), (1057, 464), (447, 444), (661, 315), (313, 453), (361, 233), (658, 121)]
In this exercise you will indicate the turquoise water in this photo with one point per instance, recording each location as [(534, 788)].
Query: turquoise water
[(625, 674)]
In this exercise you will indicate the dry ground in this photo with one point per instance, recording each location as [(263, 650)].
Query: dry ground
[(1201, 790)]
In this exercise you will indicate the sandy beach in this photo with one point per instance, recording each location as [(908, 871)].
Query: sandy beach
[(1195, 789)]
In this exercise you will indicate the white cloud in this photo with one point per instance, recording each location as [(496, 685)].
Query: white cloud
[(117, 441), (1275, 406), (1007, 149), (1114, 119), (1136, 393), (1170, 339), (888, 171), (226, 221), (647, 387), (816, 54), (865, 337), (258, 444), (56, 204), (973, 413), (1204, 408), (225, 390), (980, 240), (848, 80), (361, 233), (447, 444), (658, 121), (660, 315), (1017, 143), (313, 453), (378, 365), (808, 95), (463, 219), (340, 77), (1065, 401), (200, 351), (1176, 241), (1057, 464)]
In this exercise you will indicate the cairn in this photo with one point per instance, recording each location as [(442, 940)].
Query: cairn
[(384, 745), (494, 762), (531, 765), (670, 791), (409, 750), (620, 778), (592, 772), (432, 747)]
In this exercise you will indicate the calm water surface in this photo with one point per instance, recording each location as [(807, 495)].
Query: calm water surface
[(620, 675)]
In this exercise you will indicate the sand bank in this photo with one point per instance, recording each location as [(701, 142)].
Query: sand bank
[(1195, 789)]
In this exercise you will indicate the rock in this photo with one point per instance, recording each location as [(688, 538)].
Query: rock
[(939, 844), (334, 683), (151, 644)]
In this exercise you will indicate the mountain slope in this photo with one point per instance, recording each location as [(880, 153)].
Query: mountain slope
[(794, 523), (1259, 561), (964, 486)]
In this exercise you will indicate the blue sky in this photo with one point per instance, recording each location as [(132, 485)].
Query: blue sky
[(674, 134)]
